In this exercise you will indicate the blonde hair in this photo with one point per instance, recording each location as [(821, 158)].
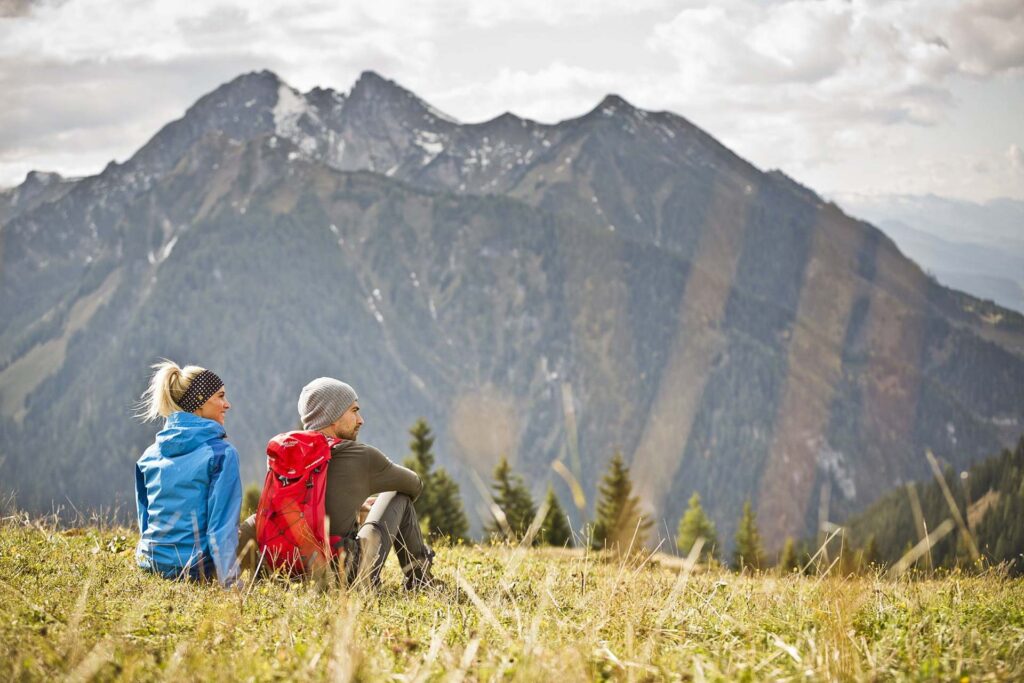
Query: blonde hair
[(166, 388)]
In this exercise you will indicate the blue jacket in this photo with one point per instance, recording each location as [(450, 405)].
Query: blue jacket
[(188, 495)]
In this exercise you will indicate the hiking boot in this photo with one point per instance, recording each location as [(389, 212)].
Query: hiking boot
[(420, 577)]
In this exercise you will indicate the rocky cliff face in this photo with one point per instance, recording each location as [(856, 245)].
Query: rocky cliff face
[(616, 281)]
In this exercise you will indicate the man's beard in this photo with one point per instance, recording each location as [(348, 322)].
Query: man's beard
[(349, 435)]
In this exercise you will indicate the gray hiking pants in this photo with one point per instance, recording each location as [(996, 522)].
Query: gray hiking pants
[(391, 523)]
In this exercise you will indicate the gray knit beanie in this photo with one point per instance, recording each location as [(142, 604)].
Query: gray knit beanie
[(323, 401)]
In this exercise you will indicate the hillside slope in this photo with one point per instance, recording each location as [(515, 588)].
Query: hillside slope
[(75, 606), (989, 497)]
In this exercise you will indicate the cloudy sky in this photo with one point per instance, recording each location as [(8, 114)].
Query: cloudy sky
[(847, 96)]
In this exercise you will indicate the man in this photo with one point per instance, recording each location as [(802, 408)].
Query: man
[(357, 471)]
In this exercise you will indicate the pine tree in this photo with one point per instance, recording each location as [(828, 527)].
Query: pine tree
[(515, 501), (693, 525), (439, 506), (421, 461), (619, 525), (556, 530), (748, 552), (787, 558), (447, 519)]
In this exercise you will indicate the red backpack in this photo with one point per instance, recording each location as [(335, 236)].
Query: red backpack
[(290, 517)]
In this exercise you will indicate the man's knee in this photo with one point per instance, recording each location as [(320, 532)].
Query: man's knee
[(373, 544), (372, 532)]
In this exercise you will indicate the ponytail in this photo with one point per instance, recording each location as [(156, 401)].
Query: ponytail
[(166, 388)]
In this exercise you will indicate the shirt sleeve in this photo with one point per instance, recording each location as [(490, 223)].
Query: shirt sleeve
[(223, 509), (141, 501), (387, 476)]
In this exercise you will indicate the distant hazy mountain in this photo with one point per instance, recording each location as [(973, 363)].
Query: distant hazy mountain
[(619, 280), (978, 248)]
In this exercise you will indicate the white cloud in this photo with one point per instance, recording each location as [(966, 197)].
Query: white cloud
[(802, 84), (815, 87), (488, 13), (152, 30), (890, 61), (1015, 157), (825, 48), (543, 95), (987, 36), (971, 176), (745, 42)]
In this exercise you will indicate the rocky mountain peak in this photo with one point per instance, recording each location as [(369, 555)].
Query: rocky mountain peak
[(371, 86), (326, 99), (506, 118), (251, 92), (614, 107), (35, 180), (373, 94), (240, 109), (247, 82), (613, 104), (38, 187)]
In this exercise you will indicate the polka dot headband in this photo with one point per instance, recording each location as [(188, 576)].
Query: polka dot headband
[(203, 386)]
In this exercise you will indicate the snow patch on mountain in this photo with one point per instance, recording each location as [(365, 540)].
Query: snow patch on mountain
[(431, 143), (372, 305), (833, 463), (288, 111), (168, 248), (161, 255)]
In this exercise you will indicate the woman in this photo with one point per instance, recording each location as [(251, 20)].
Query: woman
[(187, 487)]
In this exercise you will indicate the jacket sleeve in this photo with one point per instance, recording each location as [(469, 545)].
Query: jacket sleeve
[(223, 508), (387, 476), (141, 501)]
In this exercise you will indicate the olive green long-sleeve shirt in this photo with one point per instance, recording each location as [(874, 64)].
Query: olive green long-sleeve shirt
[(357, 471)]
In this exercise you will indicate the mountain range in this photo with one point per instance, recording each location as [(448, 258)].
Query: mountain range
[(618, 281)]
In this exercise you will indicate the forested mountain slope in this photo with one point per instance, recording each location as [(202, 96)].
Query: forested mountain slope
[(989, 497)]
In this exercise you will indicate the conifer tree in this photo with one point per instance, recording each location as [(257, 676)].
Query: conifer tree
[(421, 461), (748, 552), (512, 496), (556, 530), (447, 519), (693, 525), (439, 506), (787, 558), (619, 525)]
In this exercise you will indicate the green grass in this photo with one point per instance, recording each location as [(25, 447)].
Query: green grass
[(72, 604)]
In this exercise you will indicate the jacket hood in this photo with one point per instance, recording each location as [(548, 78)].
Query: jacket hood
[(184, 432)]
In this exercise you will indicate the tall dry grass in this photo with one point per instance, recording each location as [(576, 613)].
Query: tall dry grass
[(73, 605)]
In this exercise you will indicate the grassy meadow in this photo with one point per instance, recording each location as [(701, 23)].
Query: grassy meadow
[(73, 606)]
